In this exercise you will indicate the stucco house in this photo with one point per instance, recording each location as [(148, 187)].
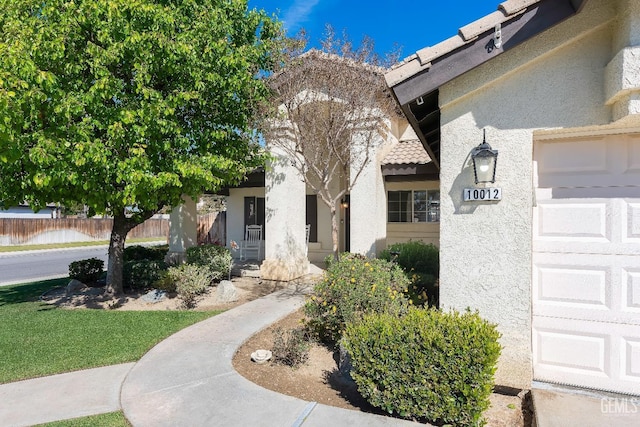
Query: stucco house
[(395, 200), (556, 261), (391, 196), (552, 256)]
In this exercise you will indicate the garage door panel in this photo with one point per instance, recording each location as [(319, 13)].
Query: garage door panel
[(587, 286), (631, 291), (631, 221), (574, 220), (586, 353), (631, 359), (633, 156), (586, 263), (575, 285), (558, 159), (597, 226), (569, 351), (599, 162)]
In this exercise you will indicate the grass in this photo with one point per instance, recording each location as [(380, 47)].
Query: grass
[(111, 419), (18, 248), (38, 339)]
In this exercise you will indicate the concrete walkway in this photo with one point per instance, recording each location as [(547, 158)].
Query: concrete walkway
[(557, 406), (188, 380), (60, 397)]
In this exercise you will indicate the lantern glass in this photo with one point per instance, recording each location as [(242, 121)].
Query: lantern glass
[(484, 163)]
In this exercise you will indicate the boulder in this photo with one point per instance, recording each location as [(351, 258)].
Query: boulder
[(74, 286), (154, 296), (226, 292), (344, 363)]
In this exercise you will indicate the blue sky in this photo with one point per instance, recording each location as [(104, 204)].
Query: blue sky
[(411, 24)]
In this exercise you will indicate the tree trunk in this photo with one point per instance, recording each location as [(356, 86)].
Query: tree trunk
[(121, 227), (334, 231)]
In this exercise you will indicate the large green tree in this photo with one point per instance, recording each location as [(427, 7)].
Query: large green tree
[(129, 103)]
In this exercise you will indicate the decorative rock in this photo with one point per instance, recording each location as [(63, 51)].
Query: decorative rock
[(344, 364), (261, 356), (154, 296), (226, 292), (74, 286)]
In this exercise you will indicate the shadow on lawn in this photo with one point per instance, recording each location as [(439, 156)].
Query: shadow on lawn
[(28, 292)]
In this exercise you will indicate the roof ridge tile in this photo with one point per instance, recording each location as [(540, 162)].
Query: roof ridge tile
[(511, 7)]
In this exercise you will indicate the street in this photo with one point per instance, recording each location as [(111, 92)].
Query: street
[(19, 267)]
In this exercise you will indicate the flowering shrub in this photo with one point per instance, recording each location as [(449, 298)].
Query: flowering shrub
[(352, 287)]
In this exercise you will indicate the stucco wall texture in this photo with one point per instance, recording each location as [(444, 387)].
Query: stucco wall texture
[(285, 257), (235, 213), (368, 203), (555, 80)]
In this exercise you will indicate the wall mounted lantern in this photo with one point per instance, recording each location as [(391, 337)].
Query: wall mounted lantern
[(344, 203), (484, 161)]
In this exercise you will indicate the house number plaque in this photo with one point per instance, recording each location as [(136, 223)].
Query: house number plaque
[(482, 194)]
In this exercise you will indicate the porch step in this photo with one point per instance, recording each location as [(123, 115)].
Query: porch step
[(556, 406), (249, 268)]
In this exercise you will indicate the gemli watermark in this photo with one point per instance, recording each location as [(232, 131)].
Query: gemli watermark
[(619, 405)]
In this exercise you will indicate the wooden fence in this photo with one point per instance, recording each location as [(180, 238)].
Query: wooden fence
[(21, 231), (212, 228)]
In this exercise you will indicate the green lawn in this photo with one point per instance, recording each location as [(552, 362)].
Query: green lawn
[(112, 419), (38, 339)]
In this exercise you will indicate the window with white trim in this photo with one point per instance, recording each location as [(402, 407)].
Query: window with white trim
[(413, 206)]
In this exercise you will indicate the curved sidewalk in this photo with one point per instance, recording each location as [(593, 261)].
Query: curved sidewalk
[(188, 379)]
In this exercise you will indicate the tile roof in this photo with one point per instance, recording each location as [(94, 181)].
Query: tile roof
[(407, 152), (421, 60)]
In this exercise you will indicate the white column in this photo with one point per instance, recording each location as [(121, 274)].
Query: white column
[(285, 206), (622, 74), (183, 229), (368, 201)]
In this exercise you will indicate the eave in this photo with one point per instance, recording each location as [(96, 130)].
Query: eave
[(416, 81)]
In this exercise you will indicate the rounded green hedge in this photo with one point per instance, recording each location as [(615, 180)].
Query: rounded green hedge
[(421, 262), (426, 365)]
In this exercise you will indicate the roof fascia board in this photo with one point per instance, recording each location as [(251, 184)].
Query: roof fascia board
[(415, 125), (516, 30)]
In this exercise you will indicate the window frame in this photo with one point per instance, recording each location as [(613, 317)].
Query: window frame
[(431, 206)]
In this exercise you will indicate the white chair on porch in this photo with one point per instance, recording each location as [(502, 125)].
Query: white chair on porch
[(307, 231), (252, 242)]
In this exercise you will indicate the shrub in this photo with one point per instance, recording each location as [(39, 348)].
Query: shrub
[(165, 282), (143, 274), (428, 365), (290, 347), (88, 271), (191, 281), (149, 253), (217, 258), (421, 262), (353, 286)]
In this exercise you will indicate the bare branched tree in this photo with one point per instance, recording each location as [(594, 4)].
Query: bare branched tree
[(329, 111)]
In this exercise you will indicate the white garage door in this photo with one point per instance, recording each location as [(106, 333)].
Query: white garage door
[(586, 263)]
